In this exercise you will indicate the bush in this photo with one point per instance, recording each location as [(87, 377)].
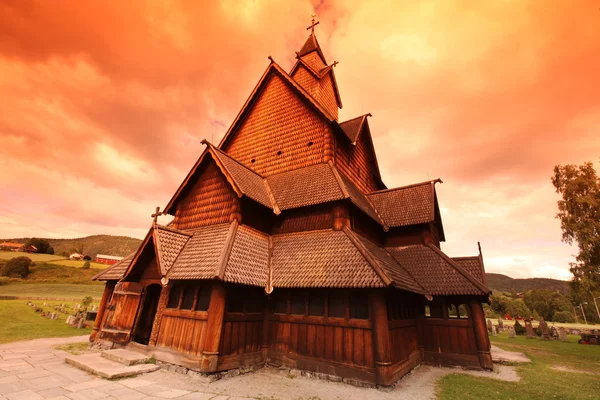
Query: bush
[(87, 258), (519, 329), (50, 250), (563, 316), (17, 267), (86, 265)]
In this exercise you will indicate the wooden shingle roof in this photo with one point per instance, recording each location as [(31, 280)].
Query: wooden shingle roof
[(115, 271)]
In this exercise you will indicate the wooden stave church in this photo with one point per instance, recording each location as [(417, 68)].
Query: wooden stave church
[(287, 248)]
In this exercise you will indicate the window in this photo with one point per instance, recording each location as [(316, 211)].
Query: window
[(297, 300), (463, 312), (337, 305), (452, 312), (203, 298), (280, 302), (174, 296), (189, 293), (359, 305), (316, 304), (427, 311)]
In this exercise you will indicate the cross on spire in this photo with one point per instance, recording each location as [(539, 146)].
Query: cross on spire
[(313, 24), (156, 214)]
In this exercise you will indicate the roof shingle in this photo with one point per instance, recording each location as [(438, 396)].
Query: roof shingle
[(404, 206)]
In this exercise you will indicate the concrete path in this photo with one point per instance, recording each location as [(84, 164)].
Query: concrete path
[(34, 369)]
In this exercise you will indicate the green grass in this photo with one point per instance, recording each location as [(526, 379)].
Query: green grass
[(538, 379), (56, 290), (7, 255), (535, 324), (73, 348), (21, 322), (79, 264)]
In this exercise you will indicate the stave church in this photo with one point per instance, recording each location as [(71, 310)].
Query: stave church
[(286, 248)]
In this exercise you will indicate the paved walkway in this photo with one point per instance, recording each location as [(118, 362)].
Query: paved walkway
[(34, 369)]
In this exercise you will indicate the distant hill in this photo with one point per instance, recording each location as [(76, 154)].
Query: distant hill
[(91, 245), (503, 283)]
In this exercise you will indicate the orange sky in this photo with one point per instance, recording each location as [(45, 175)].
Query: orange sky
[(102, 107)]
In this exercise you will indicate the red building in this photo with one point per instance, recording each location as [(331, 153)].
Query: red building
[(109, 260)]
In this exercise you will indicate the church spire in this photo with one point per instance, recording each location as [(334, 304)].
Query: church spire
[(311, 43)]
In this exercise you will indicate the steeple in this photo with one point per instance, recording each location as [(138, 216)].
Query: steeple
[(313, 73)]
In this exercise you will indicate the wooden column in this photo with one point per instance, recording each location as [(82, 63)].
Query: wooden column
[(162, 304), (264, 345), (341, 216), (381, 337), (108, 290), (481, 335), (216, 311)]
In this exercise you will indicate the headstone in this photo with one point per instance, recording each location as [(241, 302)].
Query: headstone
[(494, 333), (69, 319), (500, 325), (511, 332), (544, 329), (554, 332), (529, 329), (562, 334), (80, 323), (489, 325)]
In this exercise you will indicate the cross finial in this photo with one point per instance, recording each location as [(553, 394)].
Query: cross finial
[(156, 214), (313, 24), (335, 63)]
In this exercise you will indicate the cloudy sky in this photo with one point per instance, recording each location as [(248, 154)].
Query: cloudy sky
[(103, 106)]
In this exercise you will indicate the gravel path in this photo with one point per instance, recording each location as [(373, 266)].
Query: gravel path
[(36, 370)]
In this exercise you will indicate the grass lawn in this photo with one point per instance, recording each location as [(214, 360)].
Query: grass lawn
[(79, 264), (557, 324), (7, 255), (20, 322), (538, 379), (57, 290)]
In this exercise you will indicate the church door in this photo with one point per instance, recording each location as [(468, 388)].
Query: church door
[(121, 312), (143, 327)]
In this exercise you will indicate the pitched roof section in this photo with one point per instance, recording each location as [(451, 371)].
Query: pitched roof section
[(474, 266), (353, 127), (408, 205), (249, 258), (312, 44), (325, 258), (436, 272), (116, 271), (168, 243)]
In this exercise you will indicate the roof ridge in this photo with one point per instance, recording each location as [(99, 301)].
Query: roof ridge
[(438, 180), (138, 252), (338, 179), (99, 274), (221, 152), (276, 208), (387, 281), (465, 258), (226, 253), (269, 286), (301, 233), (479, 285), (406, 269), (174, 230)]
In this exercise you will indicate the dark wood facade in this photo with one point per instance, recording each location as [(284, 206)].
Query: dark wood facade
[(286, 248)]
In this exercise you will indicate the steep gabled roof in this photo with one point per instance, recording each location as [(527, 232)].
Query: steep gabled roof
[(319, 74), (168, 243), (353, 127), (407, 205), (437, 272), (311, 44), (243, 180), (115, 271)]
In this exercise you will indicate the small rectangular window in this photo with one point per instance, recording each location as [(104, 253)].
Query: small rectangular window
[(452, 313), (359, 305), (463, 312), (174, 296), (316, 304), (427, 311), (203, 298), (280, 303), (189, 292), (297, 303), (337, 304)]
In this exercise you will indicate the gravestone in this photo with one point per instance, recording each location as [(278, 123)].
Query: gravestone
[(489, 325), (529, 329), (500, 325), (511, 333), (70, 319), (80, 323), (562, 334), (494, 333), (544, 329)]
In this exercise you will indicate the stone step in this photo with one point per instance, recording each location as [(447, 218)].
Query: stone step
[(125, 357), (105, 368)]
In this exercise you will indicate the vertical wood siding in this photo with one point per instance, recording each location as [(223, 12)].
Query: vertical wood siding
[(308, 218), (453, 336), (279, 121), (403, 339), (357, 162), (210, 201), (241, 335), (184, 332)]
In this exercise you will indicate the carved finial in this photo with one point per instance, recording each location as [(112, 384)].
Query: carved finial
[(312, 25), (156, 214)]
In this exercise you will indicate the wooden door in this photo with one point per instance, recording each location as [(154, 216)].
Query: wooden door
[(121, 312)]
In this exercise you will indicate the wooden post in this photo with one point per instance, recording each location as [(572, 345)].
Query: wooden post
[(341, 216), (265, 332), (481, 335), (216, 312), (381, 337), (108, 290), (162, 304)]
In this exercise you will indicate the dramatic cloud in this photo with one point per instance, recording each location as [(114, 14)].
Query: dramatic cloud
[(103, 106)]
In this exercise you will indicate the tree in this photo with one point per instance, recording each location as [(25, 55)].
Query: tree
[(86, 265), (50, 250), (87, 258), (579, 214), (546, 302), (42, 245), (563, 316), (17, 267)]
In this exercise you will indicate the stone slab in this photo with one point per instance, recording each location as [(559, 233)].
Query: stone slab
[(98, 365), (125, 357), (500, 356)]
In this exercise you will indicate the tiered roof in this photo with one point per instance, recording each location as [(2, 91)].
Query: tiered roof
[(324, 258)]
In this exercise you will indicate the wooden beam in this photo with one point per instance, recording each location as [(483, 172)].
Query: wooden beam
[(216, 312), (481, 335)]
